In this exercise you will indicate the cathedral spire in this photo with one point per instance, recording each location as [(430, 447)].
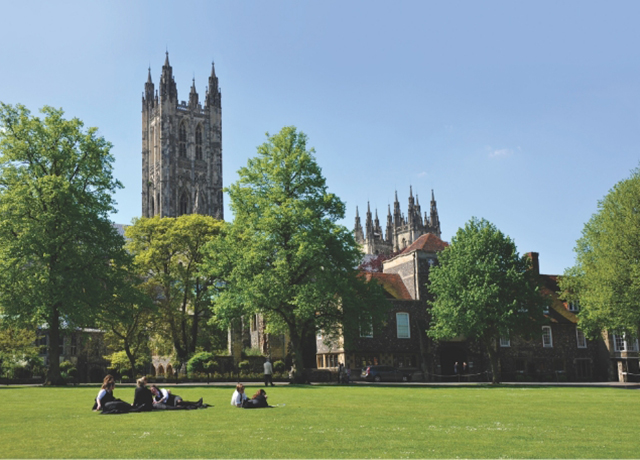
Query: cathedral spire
[(193, 96), (168, 90), (148, 90), (359, 234), (369, 222), (434, 220), (212, 98)]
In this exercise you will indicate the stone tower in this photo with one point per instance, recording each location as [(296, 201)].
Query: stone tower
[(181, 149), (401, 231)]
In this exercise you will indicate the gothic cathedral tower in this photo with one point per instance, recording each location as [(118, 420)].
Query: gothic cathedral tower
[(181, 149)]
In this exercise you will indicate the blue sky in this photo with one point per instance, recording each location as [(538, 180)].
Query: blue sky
[(525, 114)]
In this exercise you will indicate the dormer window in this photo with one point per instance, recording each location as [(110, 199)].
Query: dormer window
[(574, 306)]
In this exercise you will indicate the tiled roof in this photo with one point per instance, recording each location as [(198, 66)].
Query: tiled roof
[(550, 288), (391, 282), (428, 243)]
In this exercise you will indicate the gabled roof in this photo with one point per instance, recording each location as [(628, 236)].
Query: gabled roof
[(391, 282), (550, 287), (427, 243)]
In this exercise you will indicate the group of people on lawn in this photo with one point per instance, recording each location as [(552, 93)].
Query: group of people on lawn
[(154, 398)]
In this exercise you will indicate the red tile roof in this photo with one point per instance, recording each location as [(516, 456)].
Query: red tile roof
[(391, 282), (428, 243)]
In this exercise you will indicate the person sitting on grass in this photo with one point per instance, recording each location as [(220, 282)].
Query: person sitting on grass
[(143, 398), (239, 396), (163, 399), (105, 394), (106, 402), (259, 400)]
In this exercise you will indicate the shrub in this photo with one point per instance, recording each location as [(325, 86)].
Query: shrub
[(279, 366), (202, 362), (244, 366), (252, 352)]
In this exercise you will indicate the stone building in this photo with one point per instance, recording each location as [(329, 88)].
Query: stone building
[(400, 231), (560, 353), (181, 149)]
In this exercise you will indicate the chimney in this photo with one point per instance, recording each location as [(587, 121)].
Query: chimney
[(535, 264)]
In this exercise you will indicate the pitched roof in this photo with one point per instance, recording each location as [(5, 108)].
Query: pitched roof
[(428, 243), (391, 282)]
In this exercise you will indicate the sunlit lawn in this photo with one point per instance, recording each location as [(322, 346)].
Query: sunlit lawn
[(331, 422)]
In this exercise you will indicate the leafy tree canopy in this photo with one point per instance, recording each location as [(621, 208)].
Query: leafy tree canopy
[(483, 289), (167, 254), (285, 256), (606, 276), (58, 248)]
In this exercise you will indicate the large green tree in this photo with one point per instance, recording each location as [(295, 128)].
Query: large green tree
[(284, 256), (483, 290), (167, 254), (57, 245), (606, 276)]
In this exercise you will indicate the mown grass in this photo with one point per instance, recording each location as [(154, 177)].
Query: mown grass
[(330, 422)]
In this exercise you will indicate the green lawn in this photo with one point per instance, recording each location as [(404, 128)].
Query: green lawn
[(331, 422)]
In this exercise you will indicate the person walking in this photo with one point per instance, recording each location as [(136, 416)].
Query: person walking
[(268, 373)]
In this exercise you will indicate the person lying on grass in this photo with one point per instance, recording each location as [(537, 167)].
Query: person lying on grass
[(163, 399), (259, 400)]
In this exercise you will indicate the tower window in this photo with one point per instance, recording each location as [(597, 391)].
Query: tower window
[(199, 142), (184, 204), (183, 139)]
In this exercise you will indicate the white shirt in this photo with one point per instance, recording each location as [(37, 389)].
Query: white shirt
[(237, 398), (165, 395), (268, 369)]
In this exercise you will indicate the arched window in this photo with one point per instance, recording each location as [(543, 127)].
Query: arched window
[(183, 139), (199, 142), (184, 204), (160, 370), (202, 204)]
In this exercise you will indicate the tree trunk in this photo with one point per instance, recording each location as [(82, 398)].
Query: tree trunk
[(297, 356), (493, 359), (132, 359), (53, 375)]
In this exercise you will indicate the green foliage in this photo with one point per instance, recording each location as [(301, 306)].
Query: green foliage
[(120, 363), (167, 254), (56, 239), (606, 277), (202, 362), (18, 349), (483, 289), (331, 422), (244, 366), (279, 366), (285, 257), (252, 352)]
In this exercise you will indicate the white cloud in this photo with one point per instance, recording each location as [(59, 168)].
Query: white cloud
[(500, 153), (422, 174)]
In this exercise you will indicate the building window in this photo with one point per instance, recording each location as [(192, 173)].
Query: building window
[(367, 360), (184, 204), (404, 360), (583, 368), (505, 341), (574, 306), (366, 327), (620, 343), (73, 351), (183, 139), (580, 338), (199, 142), (547, 338), (402, 322)]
